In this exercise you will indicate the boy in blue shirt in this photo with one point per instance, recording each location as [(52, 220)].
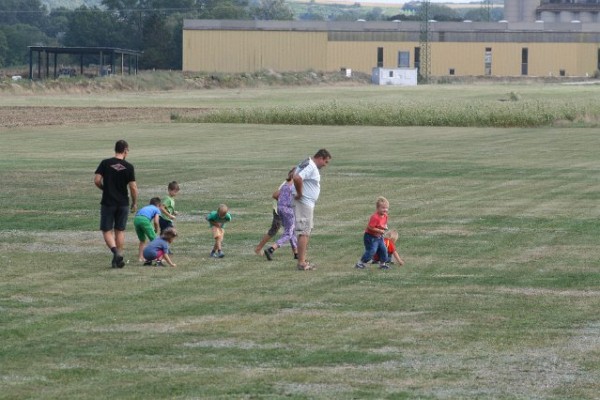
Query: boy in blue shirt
[(146, 224)]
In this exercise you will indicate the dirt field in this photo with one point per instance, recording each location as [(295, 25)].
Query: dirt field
[(38, 116)]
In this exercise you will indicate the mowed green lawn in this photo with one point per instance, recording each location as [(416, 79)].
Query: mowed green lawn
[(499, 296)]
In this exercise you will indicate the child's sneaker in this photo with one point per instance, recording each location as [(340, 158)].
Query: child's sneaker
[(360, 265), (269, 254), (213, 254), (160, 264), (220, 254), (384, 266), (148, 263)]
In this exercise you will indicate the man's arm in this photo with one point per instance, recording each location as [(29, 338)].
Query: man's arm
[(298, 186), (133, 191), (98, 181)]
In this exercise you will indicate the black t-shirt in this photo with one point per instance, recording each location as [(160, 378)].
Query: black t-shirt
[(116, 175)]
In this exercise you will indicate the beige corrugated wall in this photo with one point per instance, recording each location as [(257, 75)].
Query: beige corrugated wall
[(248, 51), (544, 59), (468, 58)]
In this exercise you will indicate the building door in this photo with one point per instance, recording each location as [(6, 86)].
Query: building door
[(488, 61), (380, 57), (403, 59), (524, 60), (418, 57)]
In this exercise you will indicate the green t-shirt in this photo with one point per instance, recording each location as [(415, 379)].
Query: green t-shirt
[(169, 204), (213, 216)]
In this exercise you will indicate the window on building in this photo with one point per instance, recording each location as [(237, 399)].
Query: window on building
[(524, 60), (391, 74), (380, 57), (451, 71), (403, 59), (488, 61)]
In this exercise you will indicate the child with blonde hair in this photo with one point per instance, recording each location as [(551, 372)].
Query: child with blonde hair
[(373, 236), (217, 220), (389, 240)]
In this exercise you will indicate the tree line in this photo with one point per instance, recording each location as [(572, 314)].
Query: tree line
[(152, 26)]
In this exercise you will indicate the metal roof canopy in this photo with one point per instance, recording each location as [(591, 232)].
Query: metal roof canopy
[(111, 52)]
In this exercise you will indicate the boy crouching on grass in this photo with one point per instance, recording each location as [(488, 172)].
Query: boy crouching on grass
[(389, 239), (373, 236), (159, 250), (217, 220)]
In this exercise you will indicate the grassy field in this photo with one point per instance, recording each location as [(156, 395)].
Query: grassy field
[(499, 229)]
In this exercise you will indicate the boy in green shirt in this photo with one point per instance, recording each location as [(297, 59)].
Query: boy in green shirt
[(167, 207), (217, 220)]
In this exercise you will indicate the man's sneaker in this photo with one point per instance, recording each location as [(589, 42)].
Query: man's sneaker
[(384, 266), (220, 254), (269, 255), (360, 265), (148, 263), (118, 261)]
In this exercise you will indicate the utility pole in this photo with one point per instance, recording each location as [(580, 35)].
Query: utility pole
[(424, 39), (486, 10)]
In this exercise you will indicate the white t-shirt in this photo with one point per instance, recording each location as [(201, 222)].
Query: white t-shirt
[(311, 178)]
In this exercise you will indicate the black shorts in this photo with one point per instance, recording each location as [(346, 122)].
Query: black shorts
[(275, 225), (113, 217), (164, 224)]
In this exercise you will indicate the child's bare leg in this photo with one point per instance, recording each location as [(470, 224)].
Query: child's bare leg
[(262, 243), (218, 234), (141, 251)]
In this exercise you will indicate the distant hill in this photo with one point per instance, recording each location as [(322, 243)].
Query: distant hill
[(70, 4)]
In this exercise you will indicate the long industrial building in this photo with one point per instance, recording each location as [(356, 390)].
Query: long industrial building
[(502, 48)]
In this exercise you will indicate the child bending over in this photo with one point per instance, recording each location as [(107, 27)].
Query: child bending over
[(217, 220), (389, 239), (158, 249), (146, 224)]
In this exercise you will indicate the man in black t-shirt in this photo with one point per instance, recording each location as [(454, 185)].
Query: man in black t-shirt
[(113, 176)]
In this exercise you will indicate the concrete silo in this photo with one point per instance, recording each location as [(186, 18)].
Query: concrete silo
[(520, 10)]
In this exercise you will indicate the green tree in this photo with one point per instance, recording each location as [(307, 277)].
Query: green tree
[(271, 10), (3, 49), (57, 23), (157, 43), (29, 12), (227, 10), (98, 28), (18, 38)]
